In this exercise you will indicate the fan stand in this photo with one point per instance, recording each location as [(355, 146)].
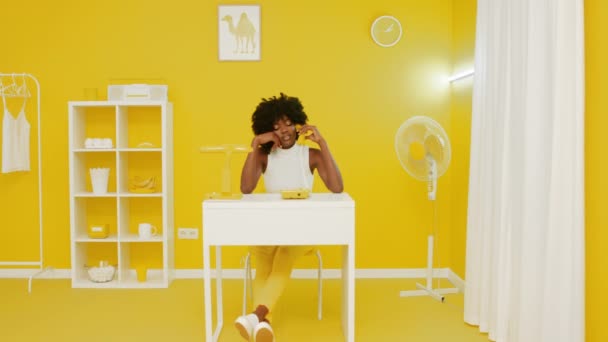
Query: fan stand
[(428, 289)]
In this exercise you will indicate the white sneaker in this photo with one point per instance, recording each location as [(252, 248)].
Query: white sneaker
[(246, 324), (263, 332)]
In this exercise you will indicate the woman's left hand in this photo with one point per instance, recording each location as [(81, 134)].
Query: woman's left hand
[(311, 133)]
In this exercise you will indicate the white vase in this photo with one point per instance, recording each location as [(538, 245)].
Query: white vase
[(99, 179)]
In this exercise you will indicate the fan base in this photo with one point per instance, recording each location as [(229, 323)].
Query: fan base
[(428, 291)]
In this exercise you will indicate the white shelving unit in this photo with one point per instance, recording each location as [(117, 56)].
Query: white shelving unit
[(128, 124)]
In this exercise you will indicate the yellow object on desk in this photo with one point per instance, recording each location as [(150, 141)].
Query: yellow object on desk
[(295, 193), (223, 195)]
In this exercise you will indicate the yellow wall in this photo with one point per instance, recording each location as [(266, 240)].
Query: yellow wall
[(596, 167), (321, 51), (463, 49)]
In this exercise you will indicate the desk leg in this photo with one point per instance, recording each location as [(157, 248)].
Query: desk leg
[(348, 292), (207, 293), (219, 298)]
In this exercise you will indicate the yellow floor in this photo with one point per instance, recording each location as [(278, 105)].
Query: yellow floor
[(56, 312)]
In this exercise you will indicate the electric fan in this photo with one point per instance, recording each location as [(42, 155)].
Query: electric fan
[(423, 148)]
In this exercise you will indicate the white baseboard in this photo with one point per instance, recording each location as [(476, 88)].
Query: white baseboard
[(235, 273), (328, 273), (45, 273), (397, 273)]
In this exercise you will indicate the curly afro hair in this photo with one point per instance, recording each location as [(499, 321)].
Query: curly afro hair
[(271, 110)]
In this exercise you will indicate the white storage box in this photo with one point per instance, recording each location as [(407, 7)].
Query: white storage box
[(137, 92)]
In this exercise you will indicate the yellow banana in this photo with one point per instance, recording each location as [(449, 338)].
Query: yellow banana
[(143, 183), (152, 183), (301, 137), (139, 182)]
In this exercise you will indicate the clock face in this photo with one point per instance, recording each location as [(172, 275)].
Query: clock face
[(386, 31)]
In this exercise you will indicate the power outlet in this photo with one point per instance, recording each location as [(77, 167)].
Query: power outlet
[(187, 233)]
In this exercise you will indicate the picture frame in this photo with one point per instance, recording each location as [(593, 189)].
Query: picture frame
[(239, 32)]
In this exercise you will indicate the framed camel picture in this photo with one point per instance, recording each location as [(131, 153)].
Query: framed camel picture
[(239, 32)]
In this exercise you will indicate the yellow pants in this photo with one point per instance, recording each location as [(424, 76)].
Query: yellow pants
[(273, 270)]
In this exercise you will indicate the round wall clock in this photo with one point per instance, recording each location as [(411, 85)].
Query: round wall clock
[(386, 31)]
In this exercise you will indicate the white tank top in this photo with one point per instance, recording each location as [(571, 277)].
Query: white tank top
[(288, 169), (15, 141)]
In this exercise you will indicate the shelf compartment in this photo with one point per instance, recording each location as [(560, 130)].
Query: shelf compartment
[(92, 122), (90, 254), (137, 254), (83, 162), (140, 126), (94, 211), (142, 165), (136, 210)]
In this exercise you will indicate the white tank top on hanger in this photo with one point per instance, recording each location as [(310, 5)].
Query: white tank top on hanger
[(15, 141), (288, 169)]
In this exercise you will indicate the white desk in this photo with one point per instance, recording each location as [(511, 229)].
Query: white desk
[(266, 219)]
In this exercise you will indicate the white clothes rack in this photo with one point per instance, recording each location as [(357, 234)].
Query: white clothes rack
[(15, 90)]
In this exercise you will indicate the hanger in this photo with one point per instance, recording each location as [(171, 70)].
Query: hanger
[(9, 90), (15, 90), (23, 90)]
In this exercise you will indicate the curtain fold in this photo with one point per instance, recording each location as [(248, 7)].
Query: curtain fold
[(525, 229)]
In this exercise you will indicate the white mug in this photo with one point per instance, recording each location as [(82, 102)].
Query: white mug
[(147, 230)]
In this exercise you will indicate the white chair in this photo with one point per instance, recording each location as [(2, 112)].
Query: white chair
[(247, 283)]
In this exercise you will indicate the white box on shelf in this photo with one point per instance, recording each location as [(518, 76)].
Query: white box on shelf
[(137, 92)]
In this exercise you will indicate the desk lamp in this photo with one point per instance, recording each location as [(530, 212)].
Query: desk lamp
[(227, 149)]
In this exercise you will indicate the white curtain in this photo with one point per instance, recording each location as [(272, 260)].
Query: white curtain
[(525, 232)]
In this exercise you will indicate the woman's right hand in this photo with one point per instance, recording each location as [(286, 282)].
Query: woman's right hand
[(264, 138)]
